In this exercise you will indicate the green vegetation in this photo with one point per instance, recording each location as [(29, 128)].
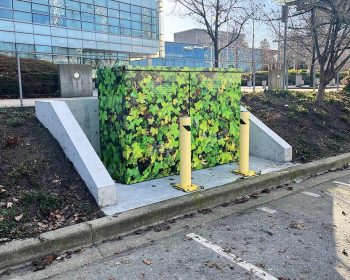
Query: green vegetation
[(139, 113), (43, 202), (39, 78)]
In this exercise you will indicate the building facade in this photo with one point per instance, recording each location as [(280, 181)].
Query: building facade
[(80, 31), (180, 55)]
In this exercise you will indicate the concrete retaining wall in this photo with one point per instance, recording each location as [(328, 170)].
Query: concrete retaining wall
[(85, 111), (265, 143), (59, 120)]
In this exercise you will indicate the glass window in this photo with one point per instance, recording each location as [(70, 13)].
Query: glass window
[(76, 24), (7, 46), (43, 49), (146, 12), (41, 1), (87, 17), (113, 13), (22, 16), (125, 23), (125, 31), (57, 11), (73, 14), (4, 13), (136, 17), (58, 21), (73, 5), (124, 7), (20, 5), (87, 8), (146, 19), (125, 15), (6, 3), (42, 9), (100, 11), (101, 3), (113, 21), (136, 25), (89, 26), (113, 4), (154, 13), (57, 3), (136, 9), (100, 19), (115, 30), (146, 27), (137, 33), (101, 28), (60, 50), (25, 48)]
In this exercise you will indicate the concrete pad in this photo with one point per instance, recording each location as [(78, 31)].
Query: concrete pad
[(145, 193)]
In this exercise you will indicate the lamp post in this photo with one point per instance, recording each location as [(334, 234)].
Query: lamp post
[(284, 18)]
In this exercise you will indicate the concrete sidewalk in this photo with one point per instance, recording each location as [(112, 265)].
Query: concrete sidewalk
[(246, 89)]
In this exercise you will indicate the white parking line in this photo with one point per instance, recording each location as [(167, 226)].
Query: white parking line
[(337, 197), (341, 183), (311, 194), (236, 260), (268, 210)]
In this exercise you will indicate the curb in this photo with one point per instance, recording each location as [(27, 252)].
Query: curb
[(84, 234)]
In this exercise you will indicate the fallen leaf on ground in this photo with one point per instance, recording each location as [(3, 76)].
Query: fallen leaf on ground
[(345, 253), (9, 205), (14, 199), (290, 188), (211, 264), (19, 217), (297, 225), (344, 214), (42, 225), (146, 261)]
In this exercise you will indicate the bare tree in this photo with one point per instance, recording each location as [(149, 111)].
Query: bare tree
[(221, 18), (265, 54), (329, 27)]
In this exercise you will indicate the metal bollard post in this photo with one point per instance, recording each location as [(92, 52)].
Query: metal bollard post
[(244, 146), (185, 156)]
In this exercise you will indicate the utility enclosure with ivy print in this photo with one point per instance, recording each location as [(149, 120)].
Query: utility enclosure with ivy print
[(139, 119)]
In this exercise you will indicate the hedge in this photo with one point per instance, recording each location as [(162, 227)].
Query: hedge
[(263, 76), (39, 78), (139, 113)]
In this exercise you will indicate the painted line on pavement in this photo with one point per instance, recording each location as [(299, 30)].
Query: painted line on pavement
[(311, 194), (341, 183), (337, 197), (268, 210), (236, 260)]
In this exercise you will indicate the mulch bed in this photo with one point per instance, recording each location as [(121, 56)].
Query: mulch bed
[(314, 131), (39, 187)]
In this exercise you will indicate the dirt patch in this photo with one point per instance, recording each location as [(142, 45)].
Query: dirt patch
[(39, 187), (314, 131)]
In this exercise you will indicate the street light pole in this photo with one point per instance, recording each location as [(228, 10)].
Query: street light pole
[(285, 11), (253, 56)]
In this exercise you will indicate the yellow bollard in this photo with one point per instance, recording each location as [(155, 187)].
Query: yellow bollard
[(185, 156), (244, 146)]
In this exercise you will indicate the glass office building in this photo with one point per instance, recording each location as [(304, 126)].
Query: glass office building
[(80, 31)]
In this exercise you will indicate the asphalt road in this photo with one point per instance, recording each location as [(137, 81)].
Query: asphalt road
[(304, 235)]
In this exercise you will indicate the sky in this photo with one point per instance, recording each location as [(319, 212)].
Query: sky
[(174, 23)]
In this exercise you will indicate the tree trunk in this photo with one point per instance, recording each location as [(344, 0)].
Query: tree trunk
[(321, 92), (312, 69), (216, 56)]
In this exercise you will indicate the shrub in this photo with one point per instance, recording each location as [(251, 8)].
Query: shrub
[(346, 83), (39, 78)]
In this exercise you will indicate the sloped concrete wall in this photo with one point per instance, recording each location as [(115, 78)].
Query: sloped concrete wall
[(59, 120), (265, 143)]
